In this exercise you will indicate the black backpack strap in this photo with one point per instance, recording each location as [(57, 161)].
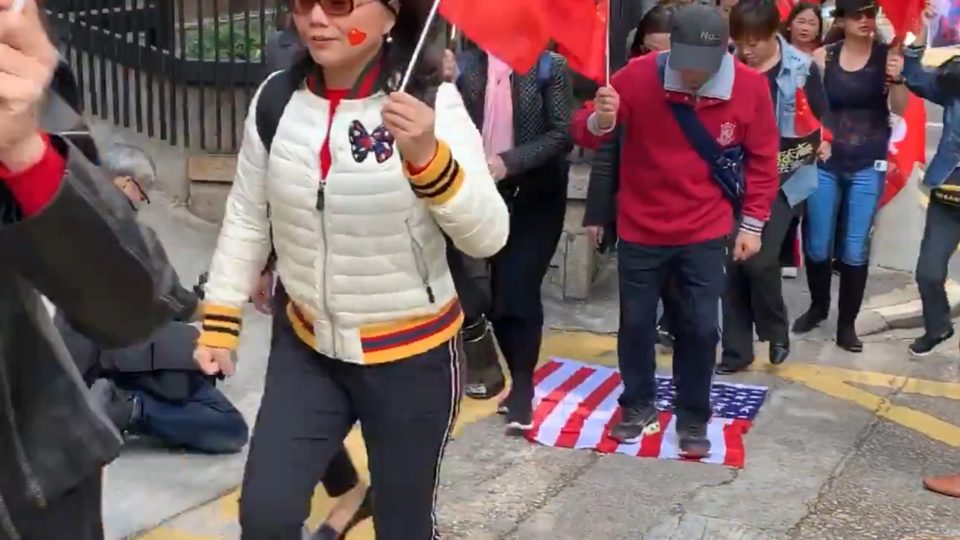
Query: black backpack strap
[(274, 96), (693, 129)]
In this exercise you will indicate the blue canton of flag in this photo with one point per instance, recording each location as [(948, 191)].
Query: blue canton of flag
[(732, 401)]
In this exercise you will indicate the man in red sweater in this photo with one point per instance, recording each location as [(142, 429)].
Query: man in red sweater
[(672, 215)]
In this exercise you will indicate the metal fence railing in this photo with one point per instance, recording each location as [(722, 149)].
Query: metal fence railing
[(180, 70)]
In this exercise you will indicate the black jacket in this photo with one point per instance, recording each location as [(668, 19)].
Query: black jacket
[(601, 209), (541, 121), (163, 366), (83, 248)]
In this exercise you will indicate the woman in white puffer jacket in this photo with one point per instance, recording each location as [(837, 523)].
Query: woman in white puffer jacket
[(362, 182)]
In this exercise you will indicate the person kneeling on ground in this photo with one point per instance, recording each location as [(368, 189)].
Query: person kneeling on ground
[(155, 388)]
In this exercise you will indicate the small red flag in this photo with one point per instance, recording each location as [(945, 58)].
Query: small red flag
[(904, 15), (908, 146), (580, 29), (515, 31), (784, 7), (805, 122)]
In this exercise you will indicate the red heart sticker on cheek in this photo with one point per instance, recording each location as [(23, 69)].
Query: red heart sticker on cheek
[(356, 36)]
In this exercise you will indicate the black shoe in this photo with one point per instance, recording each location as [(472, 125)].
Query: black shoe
[(694, 443), (519, 406), (818, 282), (848, 340), (853, 282), (484, 378), (124, 409), (326, 532), (724, 368), (926, 344), (779, 352), (665, 338), (634, 421)]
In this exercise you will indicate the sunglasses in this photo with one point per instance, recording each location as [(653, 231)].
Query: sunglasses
[(334, 8)]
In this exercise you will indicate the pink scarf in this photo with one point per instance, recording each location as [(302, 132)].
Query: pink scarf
[(498, 108)]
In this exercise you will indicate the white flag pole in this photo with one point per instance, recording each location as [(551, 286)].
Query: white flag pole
[(607, 44), (420, 44)]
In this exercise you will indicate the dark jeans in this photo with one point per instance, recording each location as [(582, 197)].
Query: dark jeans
[(754, 295), (941, 236), (340, 476), (700, 279), (206, 422), (75, 515), (406, 410), (669, 298)]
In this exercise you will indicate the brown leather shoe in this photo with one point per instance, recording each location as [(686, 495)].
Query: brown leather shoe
[(948, 485)]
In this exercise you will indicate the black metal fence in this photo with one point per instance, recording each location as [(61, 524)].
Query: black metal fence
[(180, 70)]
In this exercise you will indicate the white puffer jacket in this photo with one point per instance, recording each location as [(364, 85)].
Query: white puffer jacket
[(368, 275)]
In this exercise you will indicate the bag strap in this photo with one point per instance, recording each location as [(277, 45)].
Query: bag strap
[(693, 129), (274, 96)]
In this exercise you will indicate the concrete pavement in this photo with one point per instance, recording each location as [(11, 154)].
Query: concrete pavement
[(836, 452)]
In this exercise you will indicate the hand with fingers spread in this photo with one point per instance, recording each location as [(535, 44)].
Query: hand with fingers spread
[(411, 122), (27, 63)]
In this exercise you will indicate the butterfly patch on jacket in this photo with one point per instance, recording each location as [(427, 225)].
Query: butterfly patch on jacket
[(363, 143)]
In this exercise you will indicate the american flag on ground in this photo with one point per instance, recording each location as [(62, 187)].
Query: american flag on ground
[(575, 406)]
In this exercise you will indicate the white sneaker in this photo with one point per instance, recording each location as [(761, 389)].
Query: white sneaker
[(789, 272)]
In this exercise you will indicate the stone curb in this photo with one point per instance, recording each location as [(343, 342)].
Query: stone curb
[(909, 314)]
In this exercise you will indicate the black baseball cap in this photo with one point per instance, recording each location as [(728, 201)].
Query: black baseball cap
[(849, 7), (699, 38)]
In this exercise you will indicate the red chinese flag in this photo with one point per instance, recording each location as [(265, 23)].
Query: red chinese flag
[(904, 15), (579, 27), (805, 122), (907, 147), (784, 7), (514, 31)]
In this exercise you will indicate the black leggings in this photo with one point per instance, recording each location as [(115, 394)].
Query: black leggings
[(517, 274), (406, 410)]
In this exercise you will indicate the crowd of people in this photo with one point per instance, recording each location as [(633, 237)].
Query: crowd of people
[(399, 235)]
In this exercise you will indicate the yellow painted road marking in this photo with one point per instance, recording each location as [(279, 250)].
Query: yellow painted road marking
[(601, 349)]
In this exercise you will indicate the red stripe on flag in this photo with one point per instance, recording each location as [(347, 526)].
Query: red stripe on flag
[(650, 444), (733, 439), (545, 371), (571, 430), (608, 444), (551, 400)]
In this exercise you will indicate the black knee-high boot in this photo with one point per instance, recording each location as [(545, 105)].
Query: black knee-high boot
[(819, 275), (853, 282)]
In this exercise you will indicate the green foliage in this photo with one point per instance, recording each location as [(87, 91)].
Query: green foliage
[(217, 43)]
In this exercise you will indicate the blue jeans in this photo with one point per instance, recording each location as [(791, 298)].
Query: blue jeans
[(699, 277), (207, 422), (855, 197)]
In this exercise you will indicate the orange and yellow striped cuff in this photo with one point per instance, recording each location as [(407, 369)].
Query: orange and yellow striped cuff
[(221, 327), (442, 178)]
